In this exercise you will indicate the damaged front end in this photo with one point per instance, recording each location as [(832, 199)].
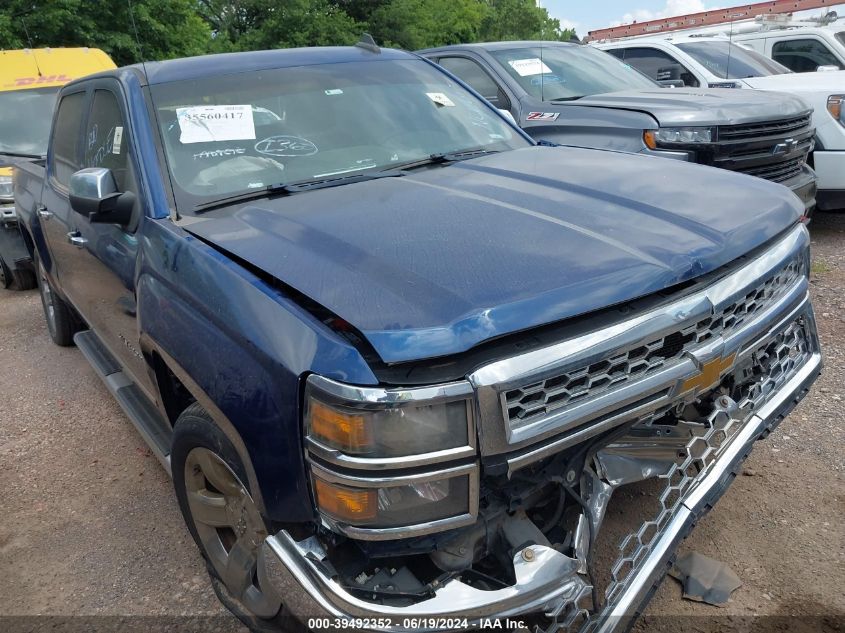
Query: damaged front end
[(550, 488)]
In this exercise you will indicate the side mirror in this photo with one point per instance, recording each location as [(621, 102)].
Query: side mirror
[(827, 69), (507, 114), (93, 193)]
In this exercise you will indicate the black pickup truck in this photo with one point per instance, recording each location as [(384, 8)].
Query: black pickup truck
[(396, 356)]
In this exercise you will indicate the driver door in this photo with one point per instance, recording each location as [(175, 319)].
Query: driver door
[(103, 277)]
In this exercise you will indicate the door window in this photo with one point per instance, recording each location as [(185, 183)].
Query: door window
[(473, 74), (658, 65), (65, 157), (106, 141), (804, 56)]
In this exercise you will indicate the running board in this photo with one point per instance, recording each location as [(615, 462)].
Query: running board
[(148, 421)]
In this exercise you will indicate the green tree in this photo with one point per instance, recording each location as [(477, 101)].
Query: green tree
[(415, 24), (520, 20), (168, 28)]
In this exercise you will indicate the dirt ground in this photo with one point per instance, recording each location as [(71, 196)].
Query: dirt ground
[(89, 525)]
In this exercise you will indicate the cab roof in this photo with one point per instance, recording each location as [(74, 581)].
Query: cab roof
[(48, 67), (496, 46), (233, 63)]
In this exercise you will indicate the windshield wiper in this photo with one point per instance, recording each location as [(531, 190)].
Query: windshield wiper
[(444, 157), (21, 155), (294, 187), (561, 99)]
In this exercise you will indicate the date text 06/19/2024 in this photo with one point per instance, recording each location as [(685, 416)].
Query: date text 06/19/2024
[(444, 624)]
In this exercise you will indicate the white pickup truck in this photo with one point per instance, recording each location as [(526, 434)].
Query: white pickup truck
[(803, 48), (716, 62)]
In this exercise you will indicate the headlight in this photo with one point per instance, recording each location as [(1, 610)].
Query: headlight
[(380, 424), (393, 507), (7, 188), (834, 106), (677, 135), (356, 436)]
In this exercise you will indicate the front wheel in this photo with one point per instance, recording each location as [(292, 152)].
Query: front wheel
[(222, 516)]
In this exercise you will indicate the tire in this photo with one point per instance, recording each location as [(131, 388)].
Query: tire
[(6, 278), (62, 322), (216, 503)]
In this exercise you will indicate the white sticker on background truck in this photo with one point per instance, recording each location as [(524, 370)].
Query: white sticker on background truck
[(529, 67), (203, 124)]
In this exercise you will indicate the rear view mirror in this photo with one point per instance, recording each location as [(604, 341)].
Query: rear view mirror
[(93, 193), (827, 69)]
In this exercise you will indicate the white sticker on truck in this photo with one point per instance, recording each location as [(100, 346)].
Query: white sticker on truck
[(529, 67), (440, 99), (118, 137), (204, 124)]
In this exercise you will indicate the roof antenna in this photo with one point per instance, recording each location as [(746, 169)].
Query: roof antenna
[(32, 48), (368, 43)]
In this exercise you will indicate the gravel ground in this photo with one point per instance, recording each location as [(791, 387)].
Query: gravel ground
[(90, 526)]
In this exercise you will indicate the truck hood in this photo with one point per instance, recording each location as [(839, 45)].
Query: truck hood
[(829, 83), (693, 106), (440, 260)]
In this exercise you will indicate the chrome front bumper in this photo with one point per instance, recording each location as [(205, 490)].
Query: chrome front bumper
[(548, 582)]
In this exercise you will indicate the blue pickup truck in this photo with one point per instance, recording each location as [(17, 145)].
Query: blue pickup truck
[(397, 357)]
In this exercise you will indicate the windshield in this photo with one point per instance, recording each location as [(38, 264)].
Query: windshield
[(25, 118), (235, 133), (729, 61), (568, 72)]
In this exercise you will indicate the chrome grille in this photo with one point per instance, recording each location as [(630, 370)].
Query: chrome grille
[(535, 400)]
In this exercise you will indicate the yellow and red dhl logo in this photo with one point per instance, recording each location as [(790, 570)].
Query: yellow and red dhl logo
[(34, 81)]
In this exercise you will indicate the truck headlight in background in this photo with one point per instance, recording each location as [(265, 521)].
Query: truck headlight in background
[(677, 136), (834, 106), (7, 189), (356, 436)]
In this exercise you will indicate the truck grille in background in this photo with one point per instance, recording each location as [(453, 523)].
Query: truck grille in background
[(536, 400), (777, 172), (773, 150), (767, 128)]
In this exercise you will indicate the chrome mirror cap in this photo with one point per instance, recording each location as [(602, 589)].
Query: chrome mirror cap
[(94, 183)]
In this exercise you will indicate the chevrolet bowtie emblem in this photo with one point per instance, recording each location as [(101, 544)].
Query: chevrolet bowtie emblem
[(710, 373)]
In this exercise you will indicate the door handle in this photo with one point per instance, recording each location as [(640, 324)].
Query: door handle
[(44, 212), (75, 238)]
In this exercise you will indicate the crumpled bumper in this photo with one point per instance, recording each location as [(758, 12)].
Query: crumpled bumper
[(548, 583)]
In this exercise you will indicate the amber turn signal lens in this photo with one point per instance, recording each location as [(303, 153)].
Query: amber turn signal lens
[(834, 106), (346, 504), (650, 139), (340, 430)]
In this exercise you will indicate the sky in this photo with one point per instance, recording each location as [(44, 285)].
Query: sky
[(586, 16)]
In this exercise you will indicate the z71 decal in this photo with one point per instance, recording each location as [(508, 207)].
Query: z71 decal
[(542, 116)]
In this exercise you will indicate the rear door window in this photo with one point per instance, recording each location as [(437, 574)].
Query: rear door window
[(65, 156), (804, 56)]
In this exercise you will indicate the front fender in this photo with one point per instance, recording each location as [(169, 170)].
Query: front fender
[(240, 346)]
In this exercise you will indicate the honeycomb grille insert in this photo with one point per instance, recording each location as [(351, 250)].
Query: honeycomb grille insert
[(536, 400)]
